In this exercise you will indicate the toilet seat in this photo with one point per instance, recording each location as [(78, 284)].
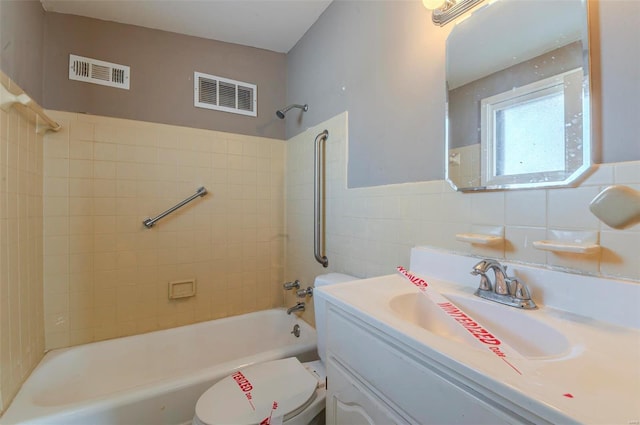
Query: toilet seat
[(247, 396)]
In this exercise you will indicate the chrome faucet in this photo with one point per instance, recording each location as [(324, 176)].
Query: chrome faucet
[(291, 285), (505, 290), (500, 272), (298, 307)]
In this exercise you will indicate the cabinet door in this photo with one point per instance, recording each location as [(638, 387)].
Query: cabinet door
[(349, 402), (414, 388)]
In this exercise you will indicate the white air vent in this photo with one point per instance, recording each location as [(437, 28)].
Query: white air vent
[(98, 72), (222, 94)]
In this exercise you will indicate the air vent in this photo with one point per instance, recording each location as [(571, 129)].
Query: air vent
[(222, 94), (98, 72)]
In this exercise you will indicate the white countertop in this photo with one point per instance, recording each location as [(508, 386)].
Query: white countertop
[(596, 380)]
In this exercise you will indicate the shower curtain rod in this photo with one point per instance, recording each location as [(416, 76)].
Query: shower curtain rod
[(8, 99)]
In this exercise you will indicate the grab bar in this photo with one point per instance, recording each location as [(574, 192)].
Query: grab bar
[(149, 222), (319, 195)]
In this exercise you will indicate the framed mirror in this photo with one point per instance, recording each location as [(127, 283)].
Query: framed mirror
[(518, 111)]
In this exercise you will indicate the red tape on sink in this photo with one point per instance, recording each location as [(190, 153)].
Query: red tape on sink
[(483, 337)]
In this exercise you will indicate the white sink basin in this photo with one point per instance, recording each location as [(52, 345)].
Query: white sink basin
[(577, 354), (519, 329)]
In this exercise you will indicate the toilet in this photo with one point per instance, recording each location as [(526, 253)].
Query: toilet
[(277, 392)]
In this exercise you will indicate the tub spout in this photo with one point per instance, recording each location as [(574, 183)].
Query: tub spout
[(298, 307)]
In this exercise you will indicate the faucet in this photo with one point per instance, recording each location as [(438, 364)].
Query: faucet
[(291, 285), (500, 272), (505, 290), (298, 307)]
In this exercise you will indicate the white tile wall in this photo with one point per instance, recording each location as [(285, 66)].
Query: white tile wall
[(371, 230)]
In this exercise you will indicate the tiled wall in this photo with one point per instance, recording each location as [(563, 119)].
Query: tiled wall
[(21, 312), (371, 230), (464, 166), (106, 275)]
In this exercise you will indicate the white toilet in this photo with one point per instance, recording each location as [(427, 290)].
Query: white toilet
[(280, 391)]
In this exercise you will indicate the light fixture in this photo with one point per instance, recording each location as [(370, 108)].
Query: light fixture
[(447, 10)]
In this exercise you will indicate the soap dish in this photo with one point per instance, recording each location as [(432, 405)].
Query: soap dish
[(563, 246), (479, 239)]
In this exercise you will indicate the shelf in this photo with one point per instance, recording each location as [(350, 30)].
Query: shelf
[(570, 247), (479, 238)]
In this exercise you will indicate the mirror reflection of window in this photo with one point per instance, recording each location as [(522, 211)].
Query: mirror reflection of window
[(531, 147), (526, 130)]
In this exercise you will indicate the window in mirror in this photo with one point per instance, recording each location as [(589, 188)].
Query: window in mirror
[(513, 141), (519, 134)]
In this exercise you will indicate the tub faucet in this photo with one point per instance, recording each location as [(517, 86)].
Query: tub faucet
[(505, 290), (298, 307)]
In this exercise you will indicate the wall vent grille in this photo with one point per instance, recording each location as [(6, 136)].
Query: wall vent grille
[(98, 72), (223, 94)]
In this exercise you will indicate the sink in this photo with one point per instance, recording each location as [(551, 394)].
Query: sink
[(520, 329), (577, 354)]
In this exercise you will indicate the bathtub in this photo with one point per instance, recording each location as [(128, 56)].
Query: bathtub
[(154, 378)]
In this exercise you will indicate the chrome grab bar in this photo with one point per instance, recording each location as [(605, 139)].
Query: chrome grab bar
[(149, 222), (319, 195)]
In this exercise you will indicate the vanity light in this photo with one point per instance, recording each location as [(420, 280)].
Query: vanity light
[(447, 10), (433, 4)]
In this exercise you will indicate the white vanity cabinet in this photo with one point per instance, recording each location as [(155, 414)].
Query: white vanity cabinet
[(372, 378)]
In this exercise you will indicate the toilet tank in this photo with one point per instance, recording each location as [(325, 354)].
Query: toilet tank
[(319, 306)]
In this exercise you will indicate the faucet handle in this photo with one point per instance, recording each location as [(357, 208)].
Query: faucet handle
[(302, 293), (485, 283), (480, 269), (291, 285), (519, 289)]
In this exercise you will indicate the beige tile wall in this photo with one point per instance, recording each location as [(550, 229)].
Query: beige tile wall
[(21, 312), (371, 230), (106, 275)]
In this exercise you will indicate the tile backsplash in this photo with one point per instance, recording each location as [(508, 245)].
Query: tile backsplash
[(106, 275), (371, 230)]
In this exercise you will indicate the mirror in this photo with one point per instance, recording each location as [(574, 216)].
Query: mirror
[(518, 112)]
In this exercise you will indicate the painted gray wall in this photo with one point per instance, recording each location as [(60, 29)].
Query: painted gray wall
[(162, 65), (618, 50), (384, 63), (21, 44), (465, 101)]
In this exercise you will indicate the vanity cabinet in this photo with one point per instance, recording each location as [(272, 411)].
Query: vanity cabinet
[(373, 378)]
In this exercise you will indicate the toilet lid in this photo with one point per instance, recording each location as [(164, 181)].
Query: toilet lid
[(255, 393)]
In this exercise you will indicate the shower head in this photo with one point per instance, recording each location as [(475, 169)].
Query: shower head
[(281, 112)]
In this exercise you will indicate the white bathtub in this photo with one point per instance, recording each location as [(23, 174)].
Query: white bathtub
[(154, 378)]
